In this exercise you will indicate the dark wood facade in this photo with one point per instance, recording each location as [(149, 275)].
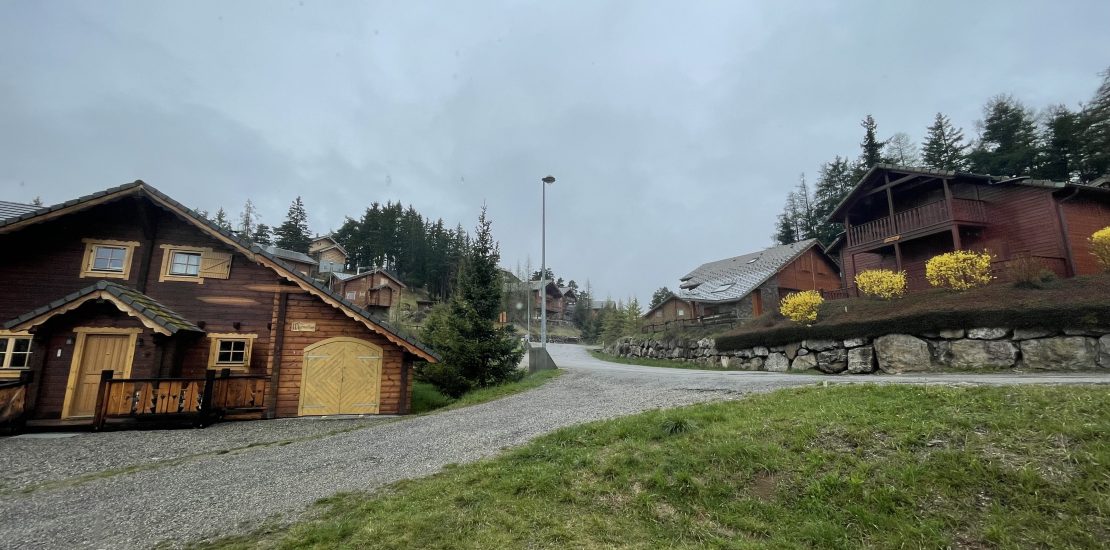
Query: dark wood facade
[(276, 312), (898, 218), (375, 290)]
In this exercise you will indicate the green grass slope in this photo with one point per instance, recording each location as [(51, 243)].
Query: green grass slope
[(839, 467)]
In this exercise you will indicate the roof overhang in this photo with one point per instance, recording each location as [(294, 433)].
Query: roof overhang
[(160, 320), (905, 174)]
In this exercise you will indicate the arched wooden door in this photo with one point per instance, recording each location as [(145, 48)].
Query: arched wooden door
[(341, 376)]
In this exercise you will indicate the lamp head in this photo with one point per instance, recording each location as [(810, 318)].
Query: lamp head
[(549, 180)]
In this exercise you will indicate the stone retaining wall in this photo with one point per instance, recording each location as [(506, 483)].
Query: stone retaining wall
[(958, 349)]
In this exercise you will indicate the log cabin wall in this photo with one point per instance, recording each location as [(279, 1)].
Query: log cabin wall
[(1022, 221), (810, 271), (1082, 217), (330, 323), (668, 311)]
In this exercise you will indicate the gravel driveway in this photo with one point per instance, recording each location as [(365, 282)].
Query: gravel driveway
[(138, 489)]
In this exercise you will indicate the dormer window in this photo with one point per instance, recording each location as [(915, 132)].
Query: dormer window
[(107, 259)]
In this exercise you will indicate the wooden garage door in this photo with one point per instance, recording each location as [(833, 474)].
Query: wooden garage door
[(341, 376)]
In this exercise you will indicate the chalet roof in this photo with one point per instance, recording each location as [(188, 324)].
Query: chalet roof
[(733, 278), (564, 290), (350, 277), (248, 249), (291, 255), (15, 209), (552, 288), (661, 304), (148, 310), (343, 276)]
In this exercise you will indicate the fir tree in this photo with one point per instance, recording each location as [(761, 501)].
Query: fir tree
[(1095, 124), (293, 233), (572, 284), (1061, 145), (37, 202), (1008, 143), (871, 149), (944, 147), (221, 220), (659, 296), (835, 180), (475, 352), (262, 235)]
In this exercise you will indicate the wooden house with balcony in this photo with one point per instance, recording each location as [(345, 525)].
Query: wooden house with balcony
[(376, 290), (125, 305), (899, 217)]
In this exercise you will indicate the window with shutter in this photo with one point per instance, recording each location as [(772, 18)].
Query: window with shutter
[(216, 265), (193, 264)]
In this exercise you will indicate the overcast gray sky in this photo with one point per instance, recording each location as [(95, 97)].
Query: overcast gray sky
[(675, 129)]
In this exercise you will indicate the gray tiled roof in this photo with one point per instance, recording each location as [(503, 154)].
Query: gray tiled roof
[(143, 305), (141, 186), (291, 255), (731, 279), (15, 209)]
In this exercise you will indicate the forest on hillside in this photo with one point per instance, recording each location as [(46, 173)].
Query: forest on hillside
[(1055, 143)]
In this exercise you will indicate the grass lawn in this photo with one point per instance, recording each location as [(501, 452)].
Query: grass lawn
[(426, 398), (652, 362), (837, 467), (1079, 302)]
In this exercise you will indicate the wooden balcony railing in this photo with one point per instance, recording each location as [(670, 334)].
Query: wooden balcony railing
[(919, 217), (204, 400), (13, 401)]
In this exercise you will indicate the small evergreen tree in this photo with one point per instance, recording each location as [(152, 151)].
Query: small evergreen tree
[(293, 233), (659, 296), (944, 147), (37, 201), (871, 149), (221, 220), (475, 352), (834, 182), (262, 235)]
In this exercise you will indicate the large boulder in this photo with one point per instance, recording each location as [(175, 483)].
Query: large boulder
[(981, 354), (804, 363), (1060, 353), (834, 361), (1104, 351), (776, 362), (987, 333), (898, 353), (861, 360)]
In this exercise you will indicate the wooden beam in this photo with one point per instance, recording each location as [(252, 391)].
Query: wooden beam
[(951, 215), (888, 184), (279, 343)]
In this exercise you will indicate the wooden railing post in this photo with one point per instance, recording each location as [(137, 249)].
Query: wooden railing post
[(206, 412), (101, 399)]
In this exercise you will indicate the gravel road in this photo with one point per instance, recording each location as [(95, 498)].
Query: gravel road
[(138, 489)]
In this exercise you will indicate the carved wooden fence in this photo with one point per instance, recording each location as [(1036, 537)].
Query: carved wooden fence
[(13, 402), (201, 400)]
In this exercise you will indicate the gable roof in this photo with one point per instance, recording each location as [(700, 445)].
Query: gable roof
[(663, 303), (15, 209), (252, 251), (733, 278), (147, 310), (291, 255), (348, 277)]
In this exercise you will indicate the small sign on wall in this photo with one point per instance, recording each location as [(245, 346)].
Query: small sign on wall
[(304, 326)]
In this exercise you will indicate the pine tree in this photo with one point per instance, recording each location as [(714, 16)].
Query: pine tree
[(221, 220), (293, 233), (248, 220), (944, 147), (475, 352), (871, 149), (1061, 145), (572, 284), (262, 235), (1008, 143), (37, 202), (659, 296), (1095, 124), (835, 180), (633, 317)]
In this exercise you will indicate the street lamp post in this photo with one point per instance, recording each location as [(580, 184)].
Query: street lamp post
[(543, 261)]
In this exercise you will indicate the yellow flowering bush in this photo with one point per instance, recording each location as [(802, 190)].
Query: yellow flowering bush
[(959, 270), (801, 307), (882, 283), (1100, 246)]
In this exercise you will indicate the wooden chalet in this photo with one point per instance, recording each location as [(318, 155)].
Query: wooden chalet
[(329, 255), (556, 305), (743, 287), (124, 304), (898, 217), (376, 290)]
